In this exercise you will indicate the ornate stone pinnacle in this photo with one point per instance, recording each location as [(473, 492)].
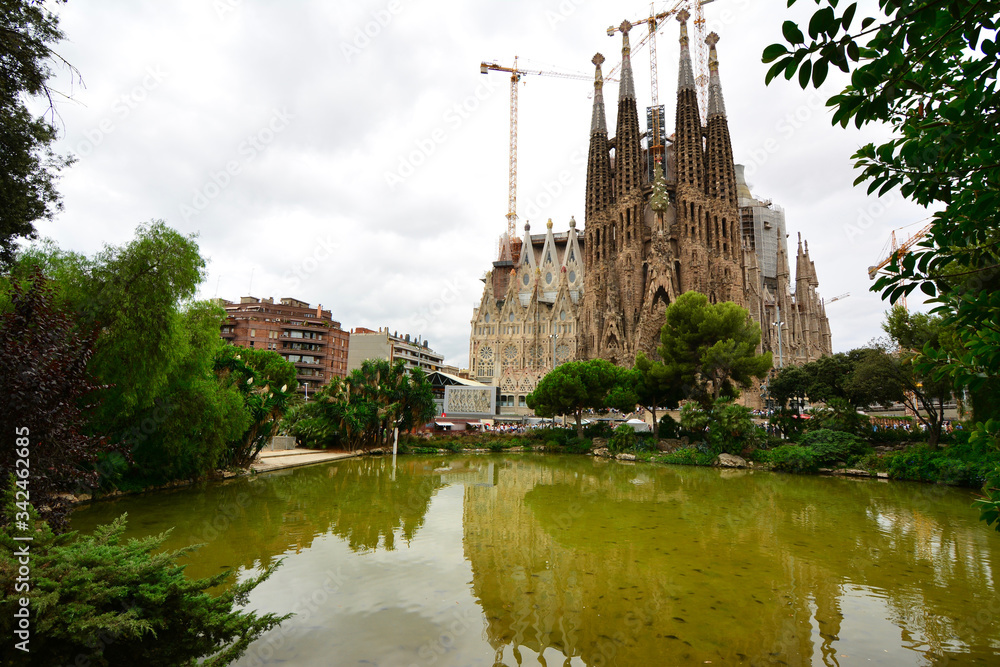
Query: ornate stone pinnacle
[(683, 16), (598, 60), (712, 40), (625, 26)]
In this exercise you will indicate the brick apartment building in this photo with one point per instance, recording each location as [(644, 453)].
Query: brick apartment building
[(307, 337)]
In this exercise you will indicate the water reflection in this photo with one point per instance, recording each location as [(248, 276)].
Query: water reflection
[(638, 565), (542, 560)]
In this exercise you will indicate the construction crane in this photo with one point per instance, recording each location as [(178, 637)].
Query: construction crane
[(837, 298), (510, 249), (701, 50), (897, 252), (652, 22)]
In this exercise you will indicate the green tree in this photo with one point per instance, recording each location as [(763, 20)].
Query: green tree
[(925, 386), (362, 410), (45, 386), (655, 386), (711, 348), (99, 600), (28, 166), (573, 387), (266, 382), (927, 69)]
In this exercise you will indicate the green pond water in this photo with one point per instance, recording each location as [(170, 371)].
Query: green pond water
[(564, 560)]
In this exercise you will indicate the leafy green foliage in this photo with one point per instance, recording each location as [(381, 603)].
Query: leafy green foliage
[(709, 350), (573, 387), (726, 427), (623, 439), (833, 446), (839, 415), (96, 599), (361, 411), (791, 458), (266, 383), (987, 436), (668, 428), (44, 383), (928, 69), (686, 456), (962, 464), (28, 166)]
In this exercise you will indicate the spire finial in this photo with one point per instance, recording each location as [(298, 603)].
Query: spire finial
[(597, 121), (716, 103), (685, 79), (626, 89)]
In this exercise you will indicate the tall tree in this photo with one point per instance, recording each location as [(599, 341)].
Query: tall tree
[(362, 410), (28, 166), (45, 387), (927, 69), (266, 382), (926, 385), (655, 386), (571, 388), (711, 348)]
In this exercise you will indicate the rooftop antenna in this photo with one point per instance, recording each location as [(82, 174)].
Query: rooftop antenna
[(250, 289), (217, 286)]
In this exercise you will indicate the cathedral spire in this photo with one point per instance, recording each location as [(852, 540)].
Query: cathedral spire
[(628, 161), (688, 145), (626, 90), (720, 172), (599, 181), (716, 104), (685, 78), (598, 122)]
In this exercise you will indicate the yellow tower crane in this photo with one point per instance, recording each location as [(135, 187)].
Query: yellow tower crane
[(896, 252), (510, 245)]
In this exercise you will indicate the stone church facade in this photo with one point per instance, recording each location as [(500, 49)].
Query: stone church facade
[(649, 242), (553, 298), (527, 320)]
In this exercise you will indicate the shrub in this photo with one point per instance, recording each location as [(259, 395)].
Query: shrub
[(688, 456), (669, 428), (598, 430), (965, 464), (833, 446), (623, 439), (95, 599), (579, 446), (792, 458)]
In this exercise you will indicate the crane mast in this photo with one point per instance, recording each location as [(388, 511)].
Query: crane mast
[(510, 245)]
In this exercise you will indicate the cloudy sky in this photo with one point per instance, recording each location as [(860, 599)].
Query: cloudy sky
[(351, 153)]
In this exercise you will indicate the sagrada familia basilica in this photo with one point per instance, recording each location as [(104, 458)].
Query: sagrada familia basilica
[(660, 220)]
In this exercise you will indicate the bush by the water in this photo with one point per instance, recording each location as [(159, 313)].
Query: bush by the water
[(961, 463), (790, 458), (831, 447), (622, 440), (101, 600), (687, 456)]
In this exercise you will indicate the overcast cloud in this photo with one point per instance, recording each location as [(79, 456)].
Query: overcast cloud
[(351, 153)]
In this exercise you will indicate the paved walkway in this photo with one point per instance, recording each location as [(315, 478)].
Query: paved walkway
[(279, 459)]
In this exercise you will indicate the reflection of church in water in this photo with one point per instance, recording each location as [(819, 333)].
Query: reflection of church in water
[(651, 234)]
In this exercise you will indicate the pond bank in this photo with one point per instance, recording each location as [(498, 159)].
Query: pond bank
[(268, 461)]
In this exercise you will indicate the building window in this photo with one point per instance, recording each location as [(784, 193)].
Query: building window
[(253, 332)]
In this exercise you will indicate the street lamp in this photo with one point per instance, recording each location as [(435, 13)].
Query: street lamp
[(306, 385), (778, 324)]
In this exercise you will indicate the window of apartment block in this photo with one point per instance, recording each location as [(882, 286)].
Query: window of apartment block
[(253, 332)]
